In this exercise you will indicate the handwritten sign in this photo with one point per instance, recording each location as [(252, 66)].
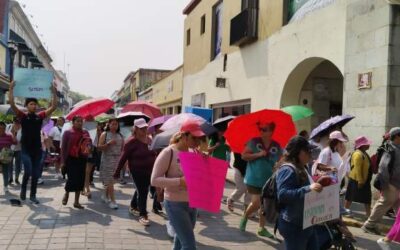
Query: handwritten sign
[(321, 207), (205, 180), (33, 83)]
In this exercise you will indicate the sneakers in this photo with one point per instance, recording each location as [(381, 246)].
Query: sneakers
[(6, 191), (383, 244), (229, 204), (122, 182), (144, 220), (34, 200), (113, 205), (264, 233), (40, 181), (134, 211), (22, 196), (243, 223), (105, 199), (371, 230)]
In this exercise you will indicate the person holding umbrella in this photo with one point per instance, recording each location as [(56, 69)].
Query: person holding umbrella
[(31, 148), (261, 154)]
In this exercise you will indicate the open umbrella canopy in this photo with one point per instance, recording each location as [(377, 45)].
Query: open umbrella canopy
[(177, 121), (6, 109), (146, 108), (129, 117), (298, 112), (91, 108), (222, 123), (335, 122), (245, 127), (160, 120), (102, 118)]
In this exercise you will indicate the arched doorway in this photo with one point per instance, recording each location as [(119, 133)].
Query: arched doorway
[(318, 84)]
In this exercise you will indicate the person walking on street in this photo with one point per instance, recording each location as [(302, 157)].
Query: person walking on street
[(15, 131), (218, 148), (111, 143), (6, 154), (389, 177), (359, 187), (31, 148), (239, 166), (55, 146), (292, 183), (140, 161), (261, 154), (75, 149), (168, 174)]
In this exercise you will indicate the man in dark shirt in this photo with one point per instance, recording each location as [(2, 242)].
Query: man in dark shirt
[(31, 146)]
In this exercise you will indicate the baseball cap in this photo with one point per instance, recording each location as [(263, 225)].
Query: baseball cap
[(140, 123), (338, 136), (299, 142), (193, 127)]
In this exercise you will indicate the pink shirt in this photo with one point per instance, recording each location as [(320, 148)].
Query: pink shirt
[(168, 176), (6, 141)]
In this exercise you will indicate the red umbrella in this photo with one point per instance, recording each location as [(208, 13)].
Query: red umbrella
[(91, 108), (245, 127), (146, 108)]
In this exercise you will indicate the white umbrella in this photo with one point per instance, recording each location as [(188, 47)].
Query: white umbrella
[(177, 121)]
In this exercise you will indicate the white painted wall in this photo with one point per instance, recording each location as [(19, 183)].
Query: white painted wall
[(259, 71)]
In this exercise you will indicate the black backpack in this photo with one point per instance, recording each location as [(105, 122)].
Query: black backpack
[(270, 196)]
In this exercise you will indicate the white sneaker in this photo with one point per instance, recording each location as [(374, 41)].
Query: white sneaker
[(40, 181), (105, 199), (113, 205), (384, 245)]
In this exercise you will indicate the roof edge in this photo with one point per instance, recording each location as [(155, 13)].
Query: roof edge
[(190, 7)]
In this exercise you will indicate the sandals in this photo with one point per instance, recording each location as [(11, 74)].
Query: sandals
[(65, 199), (78, 206)]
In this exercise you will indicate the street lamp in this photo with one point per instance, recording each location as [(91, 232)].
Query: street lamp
[(13, 48)]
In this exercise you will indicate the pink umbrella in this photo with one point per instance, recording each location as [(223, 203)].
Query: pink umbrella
[(148, 109), (91, 108)]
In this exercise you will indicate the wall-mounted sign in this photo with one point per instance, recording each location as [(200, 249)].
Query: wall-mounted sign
[(365, 80)]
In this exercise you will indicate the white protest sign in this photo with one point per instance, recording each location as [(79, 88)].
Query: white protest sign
[(321, 207)]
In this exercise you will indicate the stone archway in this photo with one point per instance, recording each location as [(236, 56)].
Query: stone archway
[(317, 84)]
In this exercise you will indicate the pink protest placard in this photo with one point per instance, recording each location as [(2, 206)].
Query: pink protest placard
[(205, 180)]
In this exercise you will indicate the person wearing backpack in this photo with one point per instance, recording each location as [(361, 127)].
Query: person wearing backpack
[(292, 183), (389, 178), (75, 149), (359, 187), (111, 143)]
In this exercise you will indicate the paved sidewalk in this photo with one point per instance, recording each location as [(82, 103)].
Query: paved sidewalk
[(53, 226)]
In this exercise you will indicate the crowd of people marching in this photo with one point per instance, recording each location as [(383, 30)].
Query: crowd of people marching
[(301, 167)]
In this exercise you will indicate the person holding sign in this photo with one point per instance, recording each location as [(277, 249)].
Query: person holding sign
[(168, 174), (31, 147), (261, 154), (293, 183)]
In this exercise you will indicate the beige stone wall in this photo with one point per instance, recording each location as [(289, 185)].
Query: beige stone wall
[(198, 54), (3, 59), (168, 89)]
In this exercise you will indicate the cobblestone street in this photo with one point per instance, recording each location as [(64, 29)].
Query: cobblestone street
[(53, 226)]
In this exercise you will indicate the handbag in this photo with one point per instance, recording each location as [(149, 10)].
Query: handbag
[(160, 191), (6, 156)]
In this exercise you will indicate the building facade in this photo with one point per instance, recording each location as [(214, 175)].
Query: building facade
[(4, 54), (333, 56), (137, 84), (167, 92)]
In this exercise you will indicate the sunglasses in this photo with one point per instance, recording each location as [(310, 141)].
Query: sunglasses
[(264, 129)]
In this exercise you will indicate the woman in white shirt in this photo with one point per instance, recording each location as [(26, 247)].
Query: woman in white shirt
[(55, 142)]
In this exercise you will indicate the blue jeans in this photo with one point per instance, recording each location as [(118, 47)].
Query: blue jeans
[(183, 219), (17, 164), (31, 163), (6, 170), (296, 238), (41, 164)]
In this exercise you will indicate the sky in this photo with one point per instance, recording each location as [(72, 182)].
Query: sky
[(103, 40)]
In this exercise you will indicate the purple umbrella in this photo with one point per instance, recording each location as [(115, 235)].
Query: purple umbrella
[(48, 126), (160, 120), (336, 121)]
